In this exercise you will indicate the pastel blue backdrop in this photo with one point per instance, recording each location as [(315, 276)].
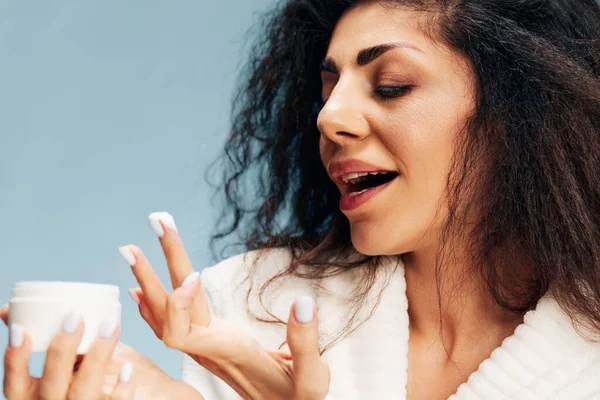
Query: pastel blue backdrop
[(110, 110)]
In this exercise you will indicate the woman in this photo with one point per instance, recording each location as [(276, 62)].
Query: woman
[(466, 263), (468, 266)]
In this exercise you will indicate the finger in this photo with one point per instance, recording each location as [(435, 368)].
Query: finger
[(90, 377), (124, 389), (311, 374), (4, 313), (60, 358), (17, 381), (180, 266), (78, 361), (178, 321), (145, 311), (155, 292)]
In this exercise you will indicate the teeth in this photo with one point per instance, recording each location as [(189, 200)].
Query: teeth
[(357, 193), (356, 177), (359, 179), (347, 178)]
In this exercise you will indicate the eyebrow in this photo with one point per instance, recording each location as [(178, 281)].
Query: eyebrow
[(368, 55)]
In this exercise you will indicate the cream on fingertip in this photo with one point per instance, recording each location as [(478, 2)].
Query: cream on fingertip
[(167, 220)]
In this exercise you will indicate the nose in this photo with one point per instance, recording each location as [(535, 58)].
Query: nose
[(342, 118)]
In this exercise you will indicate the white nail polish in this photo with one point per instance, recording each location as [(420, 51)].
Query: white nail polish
[(72, 322), (16, 336), (134, 296), (125, 372), (116, 350), (167, 220), (190, 279), (304, 309), (127, 255), (107, 329)]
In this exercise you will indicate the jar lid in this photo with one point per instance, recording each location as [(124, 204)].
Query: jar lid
[(65, 289)]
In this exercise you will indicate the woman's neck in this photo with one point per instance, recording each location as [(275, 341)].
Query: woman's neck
[(463, 316)]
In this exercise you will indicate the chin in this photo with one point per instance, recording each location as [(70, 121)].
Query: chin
[(372, 243)]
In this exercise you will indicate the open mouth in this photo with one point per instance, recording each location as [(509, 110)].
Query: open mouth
[(357, 183)]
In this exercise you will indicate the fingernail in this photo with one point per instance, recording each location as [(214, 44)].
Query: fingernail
[(125, 372), (167, 220), (72, 322), (127, 255), (116, 350), (134, 296), (304, 309), (16, 336), (107, 329), (190, 279)]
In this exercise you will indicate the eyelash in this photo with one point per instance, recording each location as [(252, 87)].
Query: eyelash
[(388, 92), (391, 92)]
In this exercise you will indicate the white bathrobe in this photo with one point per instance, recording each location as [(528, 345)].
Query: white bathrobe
[(545, 358)]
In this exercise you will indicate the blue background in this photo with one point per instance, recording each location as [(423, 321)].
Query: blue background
[(110, 110)]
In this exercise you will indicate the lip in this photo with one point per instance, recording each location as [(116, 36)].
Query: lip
[(338, 169), (349, 203)]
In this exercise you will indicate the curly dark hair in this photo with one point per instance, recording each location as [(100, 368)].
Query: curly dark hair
[(537, 118)]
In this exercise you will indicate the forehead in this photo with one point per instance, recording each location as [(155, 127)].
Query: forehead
[(372, 23)]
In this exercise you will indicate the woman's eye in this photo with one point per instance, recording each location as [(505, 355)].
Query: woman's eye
[(390, 92)]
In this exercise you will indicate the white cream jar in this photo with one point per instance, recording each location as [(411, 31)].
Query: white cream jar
[(41, 308)]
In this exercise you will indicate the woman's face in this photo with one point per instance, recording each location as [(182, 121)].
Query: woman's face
[(395, 108)]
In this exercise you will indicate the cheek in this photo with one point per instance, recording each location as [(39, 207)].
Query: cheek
[(422, 144), (326, 150), (423, 147)]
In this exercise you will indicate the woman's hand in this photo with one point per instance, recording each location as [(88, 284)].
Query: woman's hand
[(182, 320), (58, 380), (150, 381)]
